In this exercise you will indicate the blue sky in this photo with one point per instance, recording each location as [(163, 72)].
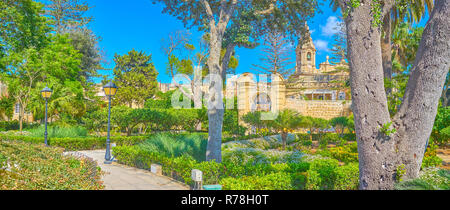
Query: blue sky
[(140, 25)]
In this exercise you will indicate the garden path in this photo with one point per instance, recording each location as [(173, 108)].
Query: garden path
[(120, 177)]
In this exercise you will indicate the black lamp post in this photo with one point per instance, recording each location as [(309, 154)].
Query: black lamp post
[(110, 90), (46, 94)]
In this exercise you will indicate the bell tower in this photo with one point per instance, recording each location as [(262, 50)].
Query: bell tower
[(306, 54)]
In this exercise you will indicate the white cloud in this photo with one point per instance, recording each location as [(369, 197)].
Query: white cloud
[(332, 26), (321, 45)]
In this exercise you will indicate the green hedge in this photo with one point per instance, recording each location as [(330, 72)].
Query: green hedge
[(237, 176), (274, 181), (14, 125), (317, 137), (25, 166), (76, 144)]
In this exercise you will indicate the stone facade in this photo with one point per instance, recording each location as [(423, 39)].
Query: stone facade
[(320, 93)]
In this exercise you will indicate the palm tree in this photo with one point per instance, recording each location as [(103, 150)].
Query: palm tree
[(254, 119), (339, 123), (286, 121)]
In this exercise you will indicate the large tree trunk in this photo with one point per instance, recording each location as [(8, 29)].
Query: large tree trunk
[(215, 114), (376, 151), (386, 49), (416, 116), (381, 155)]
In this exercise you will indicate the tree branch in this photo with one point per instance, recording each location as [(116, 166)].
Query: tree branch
[(210, 14), (269, 10), (225, 15), (226, 58), (431, 66)]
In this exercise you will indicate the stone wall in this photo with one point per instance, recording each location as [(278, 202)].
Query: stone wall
[(320, 109)]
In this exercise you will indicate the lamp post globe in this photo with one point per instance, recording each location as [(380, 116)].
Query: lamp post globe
[(110, 90), (46, 94)]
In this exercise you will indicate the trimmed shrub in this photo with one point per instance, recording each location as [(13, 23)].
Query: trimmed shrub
[(275, 181), (346, 154), (347, 177), (326, 170), (59, 132), (14, 125), (26, 166), (76, 144)]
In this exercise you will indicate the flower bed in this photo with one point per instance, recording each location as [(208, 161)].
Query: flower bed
[(25, 166)]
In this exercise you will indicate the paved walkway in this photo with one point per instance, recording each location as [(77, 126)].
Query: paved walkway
[(120, 177)]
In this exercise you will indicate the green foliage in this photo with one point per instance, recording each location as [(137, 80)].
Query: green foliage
[(241, 169), (6, 107), (387, 130), (68, 14), (275, 181), (347, 177), (284, 17), (431, 161), (77, 144), (429, 179), (440, 133), (59, 132), (171, 145), (445, 134), (400, 172), (135, 75), (37, 167), (353, 4), (14, 125), (346, 154), (377, 13), (162, 101)]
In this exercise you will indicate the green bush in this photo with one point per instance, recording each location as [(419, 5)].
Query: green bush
[(347, 177), (431, 161), (313, 181), (14, 125), (172, 145), (346, 154), (77, 144), (326, 170), (37, 167), (275, 181), (236, 174), (429, 179), (59, 132)]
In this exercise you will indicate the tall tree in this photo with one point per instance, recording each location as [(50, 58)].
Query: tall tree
[(339, 47), (86, 42), (172, 45), (219, 17), (276, 56), (69, 17), (135, 75), (385, 145), (286, 121), (23, 35), (67, 14)]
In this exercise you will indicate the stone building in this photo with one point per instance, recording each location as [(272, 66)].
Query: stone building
[(320, 93)]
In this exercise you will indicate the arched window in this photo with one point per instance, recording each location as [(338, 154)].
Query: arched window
[(308, 56)]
